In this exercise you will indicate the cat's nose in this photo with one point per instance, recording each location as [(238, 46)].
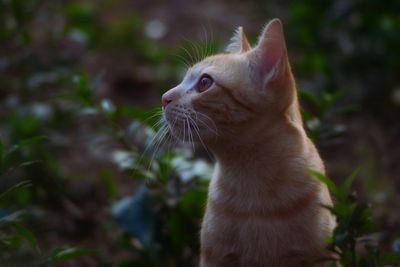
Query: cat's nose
[(166, 99)]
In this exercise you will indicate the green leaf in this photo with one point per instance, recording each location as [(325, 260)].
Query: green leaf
[(11, 150), (33, 140), (343, 190), (108, 178), (344, 211), (63, 254), (390, 258), (142, 173), (349, 181), (331, 185), (28, 163), (309, 97), (83, 91), (1, 155), (27, 235), (25, 183)]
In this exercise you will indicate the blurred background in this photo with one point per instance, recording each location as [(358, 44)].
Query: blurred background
[(85, 180)]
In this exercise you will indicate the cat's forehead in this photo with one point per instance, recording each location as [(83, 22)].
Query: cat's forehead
[(216, 62)]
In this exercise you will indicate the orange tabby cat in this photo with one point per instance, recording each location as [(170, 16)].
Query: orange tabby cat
[(264, 208)]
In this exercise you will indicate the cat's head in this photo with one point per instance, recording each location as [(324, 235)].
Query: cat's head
[(226, 93)]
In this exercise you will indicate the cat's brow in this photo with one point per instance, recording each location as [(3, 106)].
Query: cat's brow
[(193, 73)]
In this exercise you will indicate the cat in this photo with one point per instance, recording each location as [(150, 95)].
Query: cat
[(263, 208)]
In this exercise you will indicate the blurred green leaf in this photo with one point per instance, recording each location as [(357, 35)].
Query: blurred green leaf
[(83, 92), (21, 184), (349, 180), (63, 254), (389, 258), (342, 192), (108, 178), (31, 141), (1, 156), (27, 235), (326, 180), (79, 10)]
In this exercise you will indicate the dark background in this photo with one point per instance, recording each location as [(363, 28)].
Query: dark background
[(79, 81)]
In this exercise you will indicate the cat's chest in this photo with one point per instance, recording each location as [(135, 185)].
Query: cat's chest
[(256, 193), (252, 238)]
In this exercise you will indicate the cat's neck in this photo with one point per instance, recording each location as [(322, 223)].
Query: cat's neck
[(269, 138), (267, 150)]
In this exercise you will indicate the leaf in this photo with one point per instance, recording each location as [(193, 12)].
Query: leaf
[(108, 179), (25, 183), (349, 181), (63, 254), (389, 258), (148, 175), (11, 150), (28, 163), (33, 140), (331, 185), (1, 155), (83, 91), (310, 97), (27, 235), (343, 190), (8, 216)]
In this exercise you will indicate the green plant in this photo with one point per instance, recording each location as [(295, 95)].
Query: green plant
[(353, 240), (17, 242)]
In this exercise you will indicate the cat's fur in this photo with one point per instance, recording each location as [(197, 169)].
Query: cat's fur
[(264, 208)]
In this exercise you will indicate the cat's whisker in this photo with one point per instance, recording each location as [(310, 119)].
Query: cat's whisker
[(211, 41), (151, 142), (215, 130), (158, 123), (196, 51), (197, 131), (160, 136), (183, 60), (171, 137), (207, 51), (207, 126), (184, 131), (204, 40), (158, 144), (190, 137), (191, 56), (154, 116), (190, 131), (155, 112)]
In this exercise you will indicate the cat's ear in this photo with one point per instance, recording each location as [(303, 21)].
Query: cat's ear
[(239, 42), (269, 56)]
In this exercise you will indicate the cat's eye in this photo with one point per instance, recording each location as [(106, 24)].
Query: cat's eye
[(204, 83)]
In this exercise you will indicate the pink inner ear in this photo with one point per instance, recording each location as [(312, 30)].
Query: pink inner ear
[(267, 61), (269, 52), (271, 56)]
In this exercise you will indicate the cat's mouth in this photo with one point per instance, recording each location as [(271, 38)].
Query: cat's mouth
[(188, 125), (181, 123)]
